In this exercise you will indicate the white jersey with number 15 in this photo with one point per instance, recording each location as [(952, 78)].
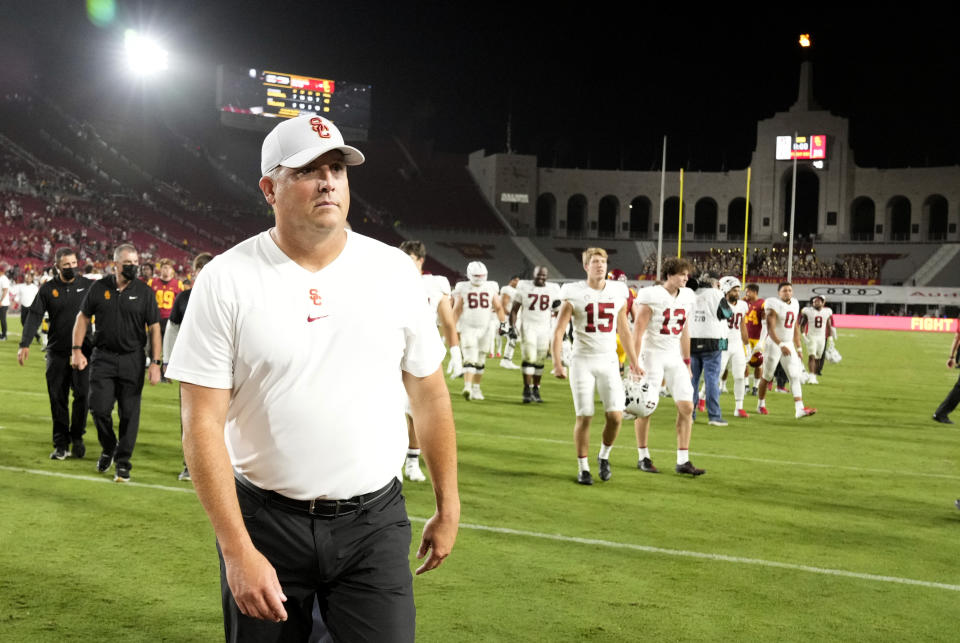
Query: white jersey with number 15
[(595, 316)]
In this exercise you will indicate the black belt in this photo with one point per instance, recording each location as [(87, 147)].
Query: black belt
[(321, 507)]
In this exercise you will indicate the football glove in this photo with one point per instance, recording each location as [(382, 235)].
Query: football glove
[(455, 365), (504, 328), (512, 333)]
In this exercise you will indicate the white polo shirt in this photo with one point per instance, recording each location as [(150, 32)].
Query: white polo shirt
[(314, 364)]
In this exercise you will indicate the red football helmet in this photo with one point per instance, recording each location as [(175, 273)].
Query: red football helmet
[(756, 359), (617, 275)]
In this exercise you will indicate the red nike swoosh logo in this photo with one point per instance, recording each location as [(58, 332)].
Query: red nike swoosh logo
[(313, 319)]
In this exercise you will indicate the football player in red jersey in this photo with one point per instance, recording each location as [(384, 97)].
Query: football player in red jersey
[(166, 287), (618, 275), (754, 323)]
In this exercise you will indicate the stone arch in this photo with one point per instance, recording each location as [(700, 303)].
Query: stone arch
[(736, 218), (671, 212), (898, 218), (935, 211), (863, 218), (640, 217), (576, 215), (705, 215), (808, 203), (546, 219), (609, 215)]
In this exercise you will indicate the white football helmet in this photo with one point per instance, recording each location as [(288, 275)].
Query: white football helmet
[(729, 283), (642, 399), (831, 353), (476, 273)]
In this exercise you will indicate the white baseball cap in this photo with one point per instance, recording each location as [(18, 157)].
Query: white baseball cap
[(298, 141)]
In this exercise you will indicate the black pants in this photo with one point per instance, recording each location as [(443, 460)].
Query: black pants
[(953, 398), (3, 322), (116, 378), (61, 380), (356, 567)]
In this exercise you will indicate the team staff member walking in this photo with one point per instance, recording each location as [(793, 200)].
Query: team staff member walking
[(125, 309), (61, 298), (950, 402), (298, 479)]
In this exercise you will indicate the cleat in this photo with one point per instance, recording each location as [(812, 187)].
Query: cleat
[(718, 423), (585, 478), (184, 475), (702, 405), (942, 419), (605, 473), (805, 411), (753, 391), (957, 503), (762, 410), (79, 449), (466, 394), (510, 366), (646, 464), (687, 467), (723, 388), (527, 395), (411, 469), (740, 413), (476, 393), (59, 454), (123, 475), (103, 464), (813, 379), (536, 395), (782, 389)]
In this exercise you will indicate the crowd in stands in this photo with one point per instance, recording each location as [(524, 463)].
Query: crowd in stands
[(772, 263)]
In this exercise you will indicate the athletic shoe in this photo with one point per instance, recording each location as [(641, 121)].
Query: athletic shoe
[(687, 467), (753, 391), (411, 469), (782, 389), (762, 410), (723, 388), (510, 366), (702, 405), (103, 464), (585, 478), (646, 464), (184, 475), (812, 379), (718, 423), (466, 394), (942, 419), (805, 411), (123, 475), (79, 449), (740, 413), (59, 454), (536, 394), (476, 393), (527, 395), (605, 473), (957, 503)]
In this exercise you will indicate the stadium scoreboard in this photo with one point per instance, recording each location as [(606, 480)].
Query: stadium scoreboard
[(255, 98), (804, 148)]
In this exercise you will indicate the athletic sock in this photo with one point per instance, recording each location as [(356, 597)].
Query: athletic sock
[(762, 404), (413, 454), (605, 451), (683, 456), (583, 464), (798, 405), (643, 452)]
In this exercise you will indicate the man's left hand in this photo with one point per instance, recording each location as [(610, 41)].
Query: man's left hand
[(439, 534), (154, 373)]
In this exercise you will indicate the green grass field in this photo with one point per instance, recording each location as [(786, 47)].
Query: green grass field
[(837, 527)]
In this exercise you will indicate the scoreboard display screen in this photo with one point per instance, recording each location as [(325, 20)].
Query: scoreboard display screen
[(809, 148), (253, 99)]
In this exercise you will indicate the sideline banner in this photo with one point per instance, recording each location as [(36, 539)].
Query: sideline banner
[(883, 322)]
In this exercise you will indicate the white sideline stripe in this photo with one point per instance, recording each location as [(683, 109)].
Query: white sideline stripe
[(789, 463), (580, 541)]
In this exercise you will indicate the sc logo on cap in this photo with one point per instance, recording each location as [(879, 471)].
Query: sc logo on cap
[(320, 128)]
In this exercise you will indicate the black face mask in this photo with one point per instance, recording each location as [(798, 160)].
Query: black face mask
[(67, 274), (129, 271)]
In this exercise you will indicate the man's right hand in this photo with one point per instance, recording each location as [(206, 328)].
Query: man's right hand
[(558, 370), (22, 355), (78, 360), (255, 587)]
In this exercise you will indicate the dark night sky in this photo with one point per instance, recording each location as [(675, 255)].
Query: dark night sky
[(586, 83)]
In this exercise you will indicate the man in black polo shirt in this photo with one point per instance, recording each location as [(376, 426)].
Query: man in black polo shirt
[(124, 308), (61, 298)]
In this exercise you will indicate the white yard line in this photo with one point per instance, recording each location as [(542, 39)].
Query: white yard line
[(609, 544)]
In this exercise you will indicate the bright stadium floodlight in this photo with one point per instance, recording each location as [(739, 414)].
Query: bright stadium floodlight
[(804, 40), (144, 55)]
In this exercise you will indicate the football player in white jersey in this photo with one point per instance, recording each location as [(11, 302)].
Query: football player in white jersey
[(817, 325), (533, 306), (662, 337), (599, 312), (437, 290), (738, 344), (507, 343), (476, 300), (783, 345)]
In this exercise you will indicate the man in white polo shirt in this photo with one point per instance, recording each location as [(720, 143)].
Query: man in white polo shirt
[(299, 482)]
